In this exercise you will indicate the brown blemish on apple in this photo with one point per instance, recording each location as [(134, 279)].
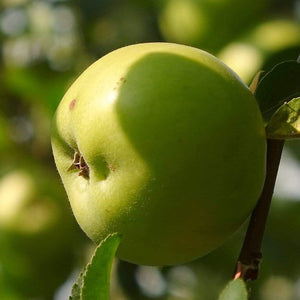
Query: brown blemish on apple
[(72, 104), (119, 82), (112, 168)]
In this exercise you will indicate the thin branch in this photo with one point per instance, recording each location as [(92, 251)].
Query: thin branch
[(250, 256)]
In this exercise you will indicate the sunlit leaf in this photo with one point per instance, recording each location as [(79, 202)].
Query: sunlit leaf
[(285, 122), (235, 290), (254, 84), (96, 280)]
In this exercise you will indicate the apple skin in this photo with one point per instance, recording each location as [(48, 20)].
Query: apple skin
[(175, 146)]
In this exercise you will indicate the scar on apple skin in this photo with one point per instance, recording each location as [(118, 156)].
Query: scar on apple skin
[(112, 168), (121, 80), (72, 104)]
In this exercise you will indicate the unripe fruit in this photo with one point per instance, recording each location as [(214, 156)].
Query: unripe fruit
[(36, 233), (266, 45), (209, 24), (170, 147)]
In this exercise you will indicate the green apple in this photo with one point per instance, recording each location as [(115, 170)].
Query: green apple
[(36, 233), (164, 144), (207, 24), (267, 44)]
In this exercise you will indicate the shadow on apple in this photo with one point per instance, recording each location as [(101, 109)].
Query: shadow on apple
[(198, 161)]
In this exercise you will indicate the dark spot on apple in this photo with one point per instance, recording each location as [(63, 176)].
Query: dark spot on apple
[(72, 104)]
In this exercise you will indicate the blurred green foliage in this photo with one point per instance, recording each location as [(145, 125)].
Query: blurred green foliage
[(44, 46)]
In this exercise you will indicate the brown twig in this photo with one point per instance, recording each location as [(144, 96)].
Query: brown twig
[(250, 256)]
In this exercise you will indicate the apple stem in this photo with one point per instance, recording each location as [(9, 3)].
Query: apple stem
[(248, 263)]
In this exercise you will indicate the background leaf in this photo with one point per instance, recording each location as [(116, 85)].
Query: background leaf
[(234, 290)]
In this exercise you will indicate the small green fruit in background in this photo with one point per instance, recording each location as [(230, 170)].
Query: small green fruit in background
[(207, 24), (266, 45), (164, 144), (36, 233)]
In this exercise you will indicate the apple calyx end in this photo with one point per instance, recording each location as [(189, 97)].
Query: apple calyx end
[(80, 164)]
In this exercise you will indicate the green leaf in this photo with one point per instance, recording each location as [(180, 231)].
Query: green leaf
[(31, 87), (277, 87), (255, 81), (94, 282), (235, 290), (76, 289), (285, 122)]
